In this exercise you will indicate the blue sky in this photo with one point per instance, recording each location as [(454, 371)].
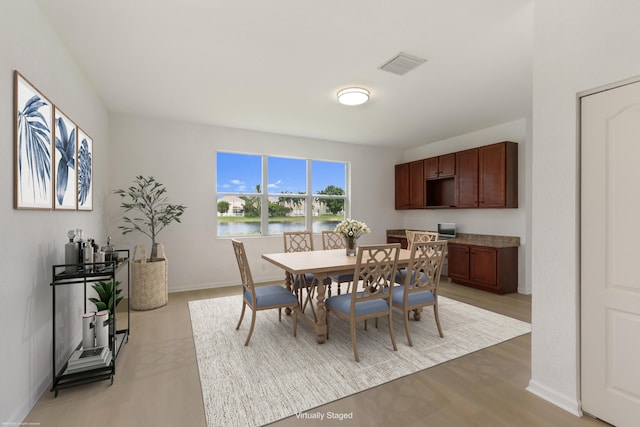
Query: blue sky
[(241, 173)]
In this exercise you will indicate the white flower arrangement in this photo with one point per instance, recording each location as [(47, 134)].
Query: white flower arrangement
[(352, 228)]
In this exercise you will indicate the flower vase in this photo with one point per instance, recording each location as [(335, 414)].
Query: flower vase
[(350, 246)]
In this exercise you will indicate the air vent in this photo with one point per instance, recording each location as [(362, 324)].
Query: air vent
[(402, 63)]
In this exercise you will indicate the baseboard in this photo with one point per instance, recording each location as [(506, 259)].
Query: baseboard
[(570, 405), (201, 286)]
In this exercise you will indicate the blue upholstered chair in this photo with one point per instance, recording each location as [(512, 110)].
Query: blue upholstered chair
[(302, 241), (420, 287), (333, 240), (415, 236), (261, 297), (370, 297)]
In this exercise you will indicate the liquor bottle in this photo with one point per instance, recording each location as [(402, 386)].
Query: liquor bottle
[(71, 254)]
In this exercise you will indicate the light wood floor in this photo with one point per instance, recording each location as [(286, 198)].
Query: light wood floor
[(157, 381)]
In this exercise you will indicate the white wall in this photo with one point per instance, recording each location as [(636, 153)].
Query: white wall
[(33, 240), (504, 222), (578, 46), (182, 156)]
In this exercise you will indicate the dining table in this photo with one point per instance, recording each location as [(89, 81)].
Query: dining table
[(322, 264)]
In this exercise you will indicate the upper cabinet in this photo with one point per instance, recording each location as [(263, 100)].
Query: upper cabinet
[(498, 175), (440, 167), (410, 185), (483, 177)]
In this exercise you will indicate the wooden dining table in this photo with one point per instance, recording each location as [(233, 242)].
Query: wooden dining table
[(322, 264)]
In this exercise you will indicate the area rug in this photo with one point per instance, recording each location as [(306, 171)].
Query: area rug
[(278, 376)]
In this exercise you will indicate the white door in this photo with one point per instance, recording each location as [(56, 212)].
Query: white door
[(610, 255)]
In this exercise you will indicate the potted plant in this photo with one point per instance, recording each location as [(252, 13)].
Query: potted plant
[(107, 298), (147, 197)]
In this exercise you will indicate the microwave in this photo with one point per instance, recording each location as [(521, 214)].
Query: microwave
[(447, 230)]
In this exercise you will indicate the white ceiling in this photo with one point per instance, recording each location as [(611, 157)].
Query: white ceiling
[(276, 65)]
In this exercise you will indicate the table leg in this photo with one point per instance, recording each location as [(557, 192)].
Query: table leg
[(289, 283), (321, 321)]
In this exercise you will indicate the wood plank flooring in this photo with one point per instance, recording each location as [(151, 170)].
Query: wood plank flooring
[(157, 382)]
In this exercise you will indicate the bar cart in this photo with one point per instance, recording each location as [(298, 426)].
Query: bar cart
[(86, 274)]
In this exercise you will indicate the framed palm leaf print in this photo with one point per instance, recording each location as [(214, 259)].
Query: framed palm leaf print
[(64, 162), (84, 171), (33, 161)]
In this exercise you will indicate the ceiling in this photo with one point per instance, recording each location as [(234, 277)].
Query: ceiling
[(276, 65)]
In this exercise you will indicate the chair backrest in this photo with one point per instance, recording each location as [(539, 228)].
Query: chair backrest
[(243, 266), (332, 240), (421, 236), (425, 266), (298, 241), (374, 272)]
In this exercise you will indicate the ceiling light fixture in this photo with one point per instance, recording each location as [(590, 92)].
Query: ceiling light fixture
[(353, 96)]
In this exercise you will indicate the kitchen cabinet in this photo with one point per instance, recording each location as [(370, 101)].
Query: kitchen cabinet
[(493, 269), (409, 185), (467, 179), (402, 186), (402, 240), (483, 177), (440, 167), (498, 175)]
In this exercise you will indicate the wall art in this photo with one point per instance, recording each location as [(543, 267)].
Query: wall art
[(64, 160), (84, 170), (33, 160)]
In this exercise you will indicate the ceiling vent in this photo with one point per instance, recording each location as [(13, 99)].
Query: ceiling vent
[(402, 63)]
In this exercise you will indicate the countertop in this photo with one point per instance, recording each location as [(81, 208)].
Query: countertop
[(487, 240)]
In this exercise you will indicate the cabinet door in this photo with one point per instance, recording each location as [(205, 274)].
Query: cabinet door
[(403, 242), (431, 168), (467, 179), (447, 165), (483, 266), (402, 186), (498, 185), (458, 261), (416, 184), (492, 183)]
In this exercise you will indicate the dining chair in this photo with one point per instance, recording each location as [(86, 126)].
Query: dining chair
[(420, 288), (415, 236), (261, 297), (370, 297), (334, 240), (421, 236), (302, 241)]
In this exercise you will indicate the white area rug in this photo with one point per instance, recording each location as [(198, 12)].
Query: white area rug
[(264, 382)]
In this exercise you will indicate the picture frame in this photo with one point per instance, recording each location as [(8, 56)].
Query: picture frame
[(84, 170), (64, 162), (33, 148)]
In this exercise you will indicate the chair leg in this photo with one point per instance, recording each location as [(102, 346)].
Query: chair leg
[(295, 321), (253, 322), (244, 304), (353, 339), (406, 327), (327, 317), (435, 313), (280, 314), (393, 337), (365, 324)]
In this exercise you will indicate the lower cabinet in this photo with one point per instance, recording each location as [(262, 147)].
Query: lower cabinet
[(489, 268), (401, 240)]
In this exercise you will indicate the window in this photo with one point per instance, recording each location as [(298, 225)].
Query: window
[(266, 195)]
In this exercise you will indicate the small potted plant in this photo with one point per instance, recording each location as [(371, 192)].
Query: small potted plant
[(108, 296), (148, 198)]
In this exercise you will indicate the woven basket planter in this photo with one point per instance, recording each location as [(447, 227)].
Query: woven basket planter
[(149, 280)]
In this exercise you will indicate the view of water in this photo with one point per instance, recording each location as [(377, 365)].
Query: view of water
[(244, 228)]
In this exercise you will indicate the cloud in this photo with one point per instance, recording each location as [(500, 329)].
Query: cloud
[(236, 182), (275, 184), (242, 188)]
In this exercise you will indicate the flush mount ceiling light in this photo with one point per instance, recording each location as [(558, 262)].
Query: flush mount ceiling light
[(353, 96)]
